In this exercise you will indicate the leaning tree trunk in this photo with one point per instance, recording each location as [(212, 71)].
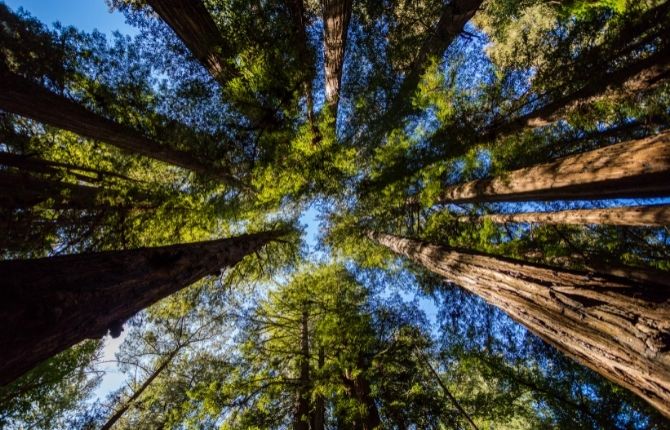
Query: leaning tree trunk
[(50, 304), (193, 24), (27, 98), (455, 14), (336, 17), (639, 216), (617, 327), (301, 417), (137, 393), (634, 169)]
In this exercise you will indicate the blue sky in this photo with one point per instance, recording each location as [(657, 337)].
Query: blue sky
[(87, 15)]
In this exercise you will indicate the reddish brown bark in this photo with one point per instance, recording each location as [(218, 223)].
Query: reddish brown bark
[(641, 216), (193, 24), (336, 17), (617, 327), (27, 98), (639, 168), (50, 304)]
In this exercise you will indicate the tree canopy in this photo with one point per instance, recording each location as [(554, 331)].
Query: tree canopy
[(337, 214)]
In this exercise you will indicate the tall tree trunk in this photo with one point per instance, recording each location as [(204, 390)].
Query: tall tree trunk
[(336, 17), (639, 168), (640, 216), (21, 191), (50, 304), (301, 417), (193, 24), (359, 387), (129, 402), (455, 14), (38, 165), (27, 98), (617, 327), (319, 414)]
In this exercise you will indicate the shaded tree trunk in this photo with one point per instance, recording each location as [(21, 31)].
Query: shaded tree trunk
[(129, 402), (359, 388), (455, 14), (336, 17), (27, 98), (640, 216), (21, 191), (38, 165), (50, 304), (639, 168), (193, 24), (319, 414), (301, 417), (617, 327)]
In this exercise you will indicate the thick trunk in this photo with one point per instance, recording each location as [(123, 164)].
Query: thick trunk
[(50, 304), (617, 327), (336, 17), (634, 169), (27, 98), (640, 216), (452, 20), (193, 24), (301, 417), (359, 387), (128, 403)]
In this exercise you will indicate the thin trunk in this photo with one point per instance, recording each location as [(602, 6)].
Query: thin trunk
[(38, 165), (128, 403), (455, 14), (301, 417), (50, 304), (336, 17), (319, 414), (634, 169), (359, 387), (446, 391), (640, 76), (617, 327), (640, 216), (27, 98), (193, 24)]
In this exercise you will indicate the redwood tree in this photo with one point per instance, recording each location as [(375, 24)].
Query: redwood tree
[(50, 304), (617, 327)]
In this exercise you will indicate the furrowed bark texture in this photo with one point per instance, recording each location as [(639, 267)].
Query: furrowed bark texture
[(27, 98), (616, 327), (640, 216), (452, 20), (193, 24), (50, 304), (639, 168), (336, 17)]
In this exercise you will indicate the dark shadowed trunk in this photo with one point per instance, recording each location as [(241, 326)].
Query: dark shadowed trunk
[(617, 327), (50, 304), (640, 216), (22, 191), (138, 392), (193, 24), (301, 417), (359, 387), (634, 169), (336, 17), (27, 98), (454, 16), (319, 413)]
